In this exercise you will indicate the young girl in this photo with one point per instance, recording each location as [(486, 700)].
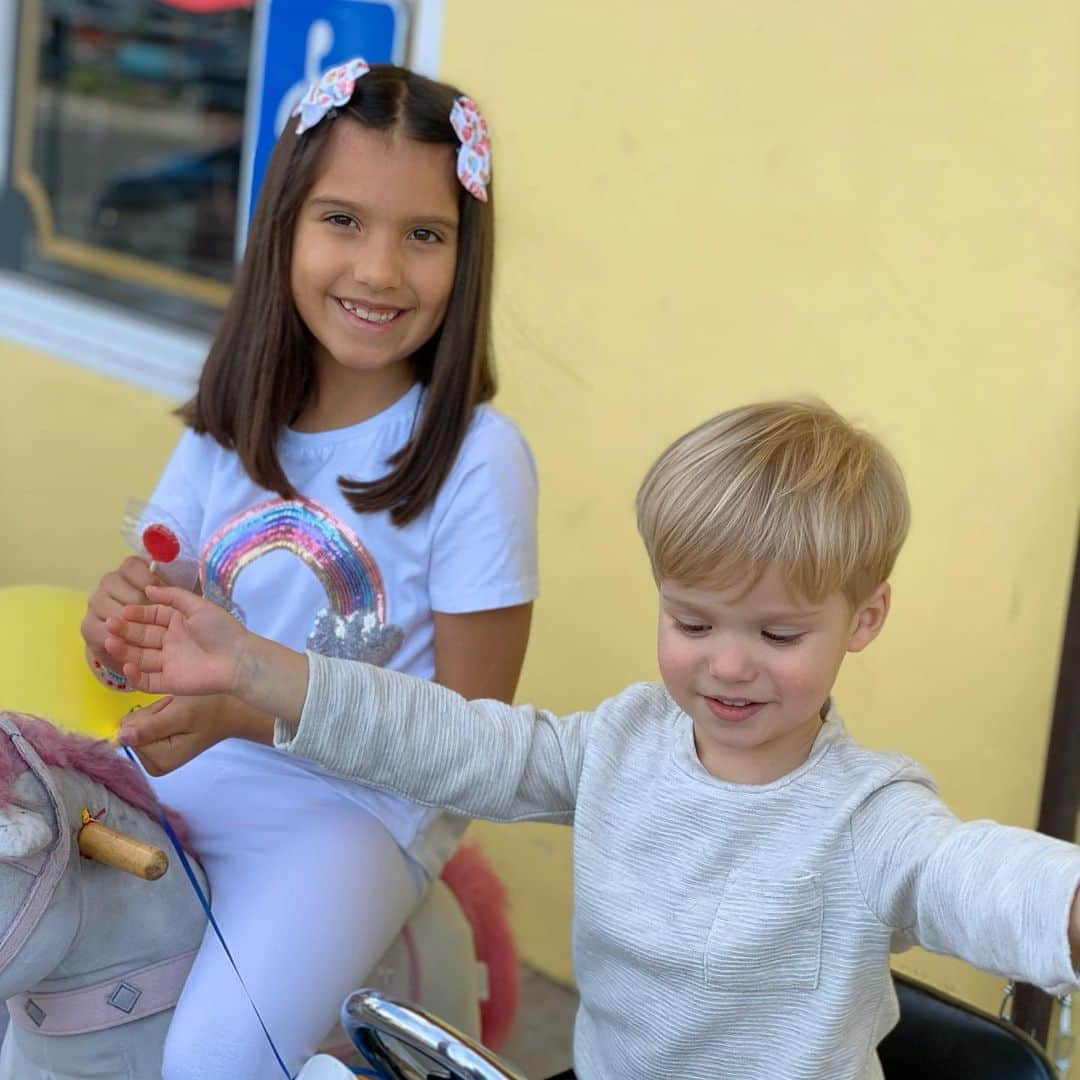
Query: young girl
[(349, 492)]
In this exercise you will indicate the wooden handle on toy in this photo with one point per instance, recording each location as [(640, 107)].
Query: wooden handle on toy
[(99, 842)]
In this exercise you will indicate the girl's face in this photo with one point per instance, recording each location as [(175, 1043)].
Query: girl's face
[(373, 260)]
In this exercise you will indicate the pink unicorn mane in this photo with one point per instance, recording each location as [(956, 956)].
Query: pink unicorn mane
[(94, 758)]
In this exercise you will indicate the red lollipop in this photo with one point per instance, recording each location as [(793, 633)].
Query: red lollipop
[(161, 543), (153, 534)]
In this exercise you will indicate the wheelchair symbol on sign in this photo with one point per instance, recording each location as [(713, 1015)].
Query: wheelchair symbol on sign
[(316, 49), (320, 40)]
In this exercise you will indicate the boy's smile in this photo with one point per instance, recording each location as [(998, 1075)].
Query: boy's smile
[(734, 709), (752, 668)]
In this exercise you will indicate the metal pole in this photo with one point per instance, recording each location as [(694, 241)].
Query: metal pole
[(1061, 787)]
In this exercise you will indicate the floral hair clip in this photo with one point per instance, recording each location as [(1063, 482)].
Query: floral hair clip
[(474, 157), (332, 90)]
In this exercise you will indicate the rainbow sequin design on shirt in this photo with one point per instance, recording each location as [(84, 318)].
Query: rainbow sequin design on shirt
[(353, 625)]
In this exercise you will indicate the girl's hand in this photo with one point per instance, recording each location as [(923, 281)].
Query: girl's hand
[(170, 732), (180, 644), (124, 585)]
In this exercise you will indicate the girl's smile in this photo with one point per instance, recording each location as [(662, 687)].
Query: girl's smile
[(371, 316)]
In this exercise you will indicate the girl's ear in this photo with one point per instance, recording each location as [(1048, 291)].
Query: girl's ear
[(870, 617)]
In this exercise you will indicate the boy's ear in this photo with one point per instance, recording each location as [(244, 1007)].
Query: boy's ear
[(870, 617)]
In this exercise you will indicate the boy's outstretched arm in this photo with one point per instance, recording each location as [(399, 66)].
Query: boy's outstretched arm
[(183, 644), (408, 735), (383, 728), (1000, 897)]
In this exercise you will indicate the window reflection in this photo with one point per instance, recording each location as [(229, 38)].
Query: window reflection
[(134, 158)]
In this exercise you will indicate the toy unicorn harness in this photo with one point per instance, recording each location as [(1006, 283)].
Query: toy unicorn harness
[(141, 992), (82, 955)]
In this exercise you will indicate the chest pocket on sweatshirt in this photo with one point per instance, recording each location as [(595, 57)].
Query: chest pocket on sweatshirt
[(766, 935)]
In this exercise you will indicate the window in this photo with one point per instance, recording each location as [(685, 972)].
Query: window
[(128, 129)]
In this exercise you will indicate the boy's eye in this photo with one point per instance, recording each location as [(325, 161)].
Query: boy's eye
[(691, 628), (780, 639), (426, 236)]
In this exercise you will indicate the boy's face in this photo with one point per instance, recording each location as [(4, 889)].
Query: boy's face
[(752, 668)]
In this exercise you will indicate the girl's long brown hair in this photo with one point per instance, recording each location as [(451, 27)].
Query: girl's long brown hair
[(258, 375)]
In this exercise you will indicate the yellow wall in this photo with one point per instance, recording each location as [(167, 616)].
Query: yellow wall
[(706, 205), (74, 447)]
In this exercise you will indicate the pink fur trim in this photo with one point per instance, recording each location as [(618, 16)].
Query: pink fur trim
[(94, 758), (482, 896)]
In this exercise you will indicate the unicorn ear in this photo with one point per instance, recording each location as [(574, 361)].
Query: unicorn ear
[(22, 832)]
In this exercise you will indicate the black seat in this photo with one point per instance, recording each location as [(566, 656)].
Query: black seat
[(941, 1038)]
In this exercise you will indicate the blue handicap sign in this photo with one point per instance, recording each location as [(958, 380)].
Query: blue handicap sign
[(295, 42)]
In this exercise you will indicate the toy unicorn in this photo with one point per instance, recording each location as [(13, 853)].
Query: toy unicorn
[(93, 959)]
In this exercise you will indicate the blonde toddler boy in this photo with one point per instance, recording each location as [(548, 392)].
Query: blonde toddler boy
[(742, 866)]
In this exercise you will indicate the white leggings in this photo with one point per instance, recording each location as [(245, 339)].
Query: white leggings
[(309, 890)]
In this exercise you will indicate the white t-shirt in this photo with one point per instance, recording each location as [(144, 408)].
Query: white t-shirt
[(312, 573)]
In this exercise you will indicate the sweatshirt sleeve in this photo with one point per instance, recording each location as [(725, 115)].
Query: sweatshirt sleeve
[(414, 737), (997, 896)]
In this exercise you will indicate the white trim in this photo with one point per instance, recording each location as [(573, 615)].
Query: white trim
[(399, 51), (9, 32), (100, 336), (252, 110), (425, 55)]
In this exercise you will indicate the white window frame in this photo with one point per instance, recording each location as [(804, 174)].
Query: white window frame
[(103, 336)]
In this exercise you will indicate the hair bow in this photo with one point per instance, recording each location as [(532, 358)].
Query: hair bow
[(331, 90), (474, 157)]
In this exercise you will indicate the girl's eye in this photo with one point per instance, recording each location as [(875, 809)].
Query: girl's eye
[(342, 220), (781, 639), (426, 236), (692, 629)]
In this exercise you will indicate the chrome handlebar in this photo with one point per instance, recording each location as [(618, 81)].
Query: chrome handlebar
[(408, 1041)]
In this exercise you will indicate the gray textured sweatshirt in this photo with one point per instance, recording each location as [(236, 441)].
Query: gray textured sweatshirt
[(720, 930)]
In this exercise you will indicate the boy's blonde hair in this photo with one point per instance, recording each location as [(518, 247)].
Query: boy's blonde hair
[(790, 483)]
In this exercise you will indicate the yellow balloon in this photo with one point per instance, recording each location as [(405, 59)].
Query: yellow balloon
[(42, 665)]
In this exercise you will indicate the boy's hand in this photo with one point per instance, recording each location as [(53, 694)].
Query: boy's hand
[(183, 644), (180, 644), (124, 585)]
